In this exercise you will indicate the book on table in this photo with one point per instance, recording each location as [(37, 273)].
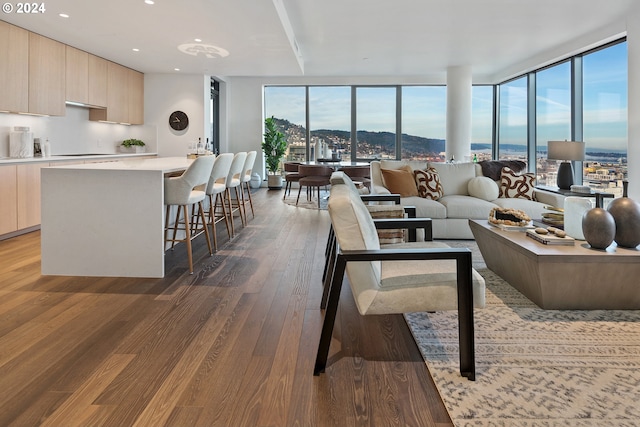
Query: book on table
[(528, 226), (551, 239)]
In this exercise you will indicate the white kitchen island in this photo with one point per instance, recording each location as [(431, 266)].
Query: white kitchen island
[(105, 219)]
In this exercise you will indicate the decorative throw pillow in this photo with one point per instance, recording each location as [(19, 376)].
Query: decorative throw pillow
[(400, 181), (513, 185), (389, 235), (482, 187), (428, 183)]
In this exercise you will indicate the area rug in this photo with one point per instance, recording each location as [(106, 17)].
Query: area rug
[(535, 367), (306, 203)]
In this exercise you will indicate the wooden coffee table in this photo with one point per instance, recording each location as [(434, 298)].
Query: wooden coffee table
[(562, 277)]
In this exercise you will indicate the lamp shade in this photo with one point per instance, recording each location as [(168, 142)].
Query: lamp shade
[(565, 150)]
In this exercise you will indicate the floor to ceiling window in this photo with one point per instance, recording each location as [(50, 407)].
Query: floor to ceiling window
[(512, 132), (482, 108), (287, 104), (605, 118), (424, 110), (375, 122), (553, 117), (329, 121)]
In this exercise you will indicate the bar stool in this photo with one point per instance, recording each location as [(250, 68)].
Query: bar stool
[(246, 179), (181, 191), (215, 192), (233, 181)]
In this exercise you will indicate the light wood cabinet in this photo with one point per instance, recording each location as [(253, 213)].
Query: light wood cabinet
[(9, 199), (136, 97), (14, 68), (97, 81), (77, 75), (46, 76), (28, 194), (125, 96)]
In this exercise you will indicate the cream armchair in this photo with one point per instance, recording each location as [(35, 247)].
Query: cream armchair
[(424, 276)]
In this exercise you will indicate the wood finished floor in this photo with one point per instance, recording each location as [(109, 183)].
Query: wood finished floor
[(232, 345)]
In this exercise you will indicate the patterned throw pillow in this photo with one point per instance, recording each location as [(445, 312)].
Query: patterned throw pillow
[(390, 235), (517, 186), (428, 182)]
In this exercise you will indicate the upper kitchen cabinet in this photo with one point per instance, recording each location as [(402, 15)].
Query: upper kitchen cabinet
[(14, 68), (97, 81), (125, 96), (77, 75), (46, 76), (86, 78)]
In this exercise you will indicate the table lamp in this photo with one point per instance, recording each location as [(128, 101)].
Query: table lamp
[(565, 151)]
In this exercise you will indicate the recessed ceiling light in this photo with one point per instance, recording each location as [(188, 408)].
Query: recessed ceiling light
[(135, 49), (197, 40), (63, 15), (176, 69), (149, 1)]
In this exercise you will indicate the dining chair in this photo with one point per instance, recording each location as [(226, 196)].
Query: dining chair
[(215, 191), (184, 192), (313, 177), (359, 173), (246, 179), (233, 182), (291, 175)]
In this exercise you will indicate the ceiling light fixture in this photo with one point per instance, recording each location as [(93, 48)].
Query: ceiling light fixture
[(135, 49), (176, 69), (197, 40), (149, 2), (209, 51), (63, 15)]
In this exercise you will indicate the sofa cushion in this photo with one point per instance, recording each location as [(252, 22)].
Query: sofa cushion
[(466, 207), (428, 182), (425, 208), (513, 185), (455, 177), (483, 188), (397, 164), (400, 181)]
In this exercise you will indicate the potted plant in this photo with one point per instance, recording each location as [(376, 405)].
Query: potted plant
[(274, 147), (132, 145)]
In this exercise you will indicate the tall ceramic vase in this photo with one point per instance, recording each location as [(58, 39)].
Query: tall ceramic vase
[(598, 226), (626, 213)]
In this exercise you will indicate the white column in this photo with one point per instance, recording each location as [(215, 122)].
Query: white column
[(633, 109), (459, 83)]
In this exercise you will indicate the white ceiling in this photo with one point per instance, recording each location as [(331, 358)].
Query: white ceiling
[(333, 37)]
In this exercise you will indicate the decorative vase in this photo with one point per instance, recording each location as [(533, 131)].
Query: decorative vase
[(626, 214), (598, 226)]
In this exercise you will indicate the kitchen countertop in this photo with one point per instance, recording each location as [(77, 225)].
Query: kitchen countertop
[(115, 156)]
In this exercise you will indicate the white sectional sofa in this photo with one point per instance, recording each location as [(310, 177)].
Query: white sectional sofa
[(465, 194)]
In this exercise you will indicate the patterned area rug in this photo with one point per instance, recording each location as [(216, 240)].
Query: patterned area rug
[(304, 202), (535, 367)]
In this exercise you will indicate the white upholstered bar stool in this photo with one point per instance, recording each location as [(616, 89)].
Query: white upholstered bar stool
[(246, 179), (233, 182), (181, 191), (216, 191)]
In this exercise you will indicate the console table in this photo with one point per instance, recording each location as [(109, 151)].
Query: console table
[(561, 277)]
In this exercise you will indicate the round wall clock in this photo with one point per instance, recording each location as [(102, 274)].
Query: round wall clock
[(178, 120)]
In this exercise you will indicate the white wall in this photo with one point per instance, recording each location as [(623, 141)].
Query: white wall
[(74, 133), (165, 93)]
